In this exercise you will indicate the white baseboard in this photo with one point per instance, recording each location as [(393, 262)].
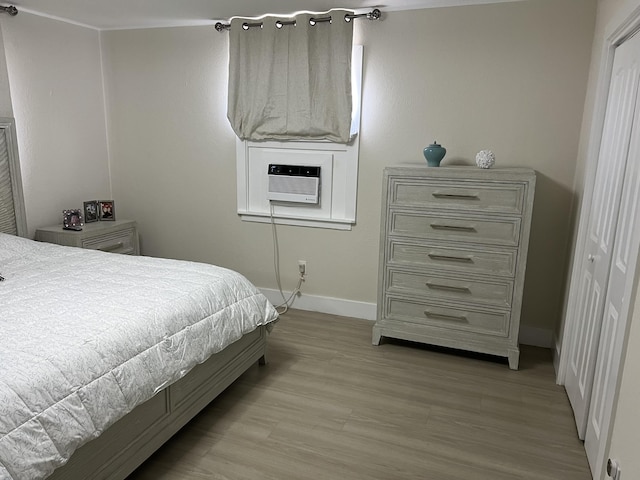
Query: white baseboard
[(537, 337), (556, 362), (333, 306)]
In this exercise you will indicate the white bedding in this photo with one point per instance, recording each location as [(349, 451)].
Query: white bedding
[(86, 336)]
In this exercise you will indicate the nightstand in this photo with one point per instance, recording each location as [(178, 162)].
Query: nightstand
[(119, 236)]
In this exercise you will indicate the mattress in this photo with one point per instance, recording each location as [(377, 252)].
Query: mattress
[(86, 336)]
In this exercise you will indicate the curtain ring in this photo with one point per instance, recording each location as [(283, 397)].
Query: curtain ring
[(313, 20), (247, 26), (280, 23)]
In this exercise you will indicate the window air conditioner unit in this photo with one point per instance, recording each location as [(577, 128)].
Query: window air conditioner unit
[(294, 183)]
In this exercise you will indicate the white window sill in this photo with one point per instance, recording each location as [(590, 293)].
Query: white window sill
[(297, 221)]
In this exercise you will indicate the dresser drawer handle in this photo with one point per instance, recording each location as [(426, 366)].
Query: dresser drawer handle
[(442, 316), (111, 248), (458, 228), (435, 256), (461, 196), (438, 286)]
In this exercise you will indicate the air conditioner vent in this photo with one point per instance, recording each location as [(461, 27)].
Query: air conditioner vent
[(294, 183)]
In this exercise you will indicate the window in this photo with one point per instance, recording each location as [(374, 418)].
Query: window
[(339, 173)]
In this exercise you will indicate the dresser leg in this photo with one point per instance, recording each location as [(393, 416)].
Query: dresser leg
[(375, 339), (514, 359), (262, 360)]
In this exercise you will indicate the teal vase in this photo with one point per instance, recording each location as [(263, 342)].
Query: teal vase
[(434, 154)]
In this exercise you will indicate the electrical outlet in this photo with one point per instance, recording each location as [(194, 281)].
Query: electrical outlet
[(302, 267)]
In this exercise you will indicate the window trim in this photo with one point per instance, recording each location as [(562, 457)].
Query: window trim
[(339, 184)]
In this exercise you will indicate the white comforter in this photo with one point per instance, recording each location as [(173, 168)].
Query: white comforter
[(86, 336)]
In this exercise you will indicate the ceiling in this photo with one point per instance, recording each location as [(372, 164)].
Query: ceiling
[(126, 14)]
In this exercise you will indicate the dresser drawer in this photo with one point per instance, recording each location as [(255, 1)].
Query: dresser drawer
[(453, 318), (474, 196), (496, 293), (468, 259), (122, 241), (457, 228)]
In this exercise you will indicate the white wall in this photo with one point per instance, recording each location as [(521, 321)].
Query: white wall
[(55, 77), (510, 77)]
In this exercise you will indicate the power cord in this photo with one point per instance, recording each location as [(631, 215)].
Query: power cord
[(276, 266)]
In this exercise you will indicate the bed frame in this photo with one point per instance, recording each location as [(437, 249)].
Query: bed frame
[(132, 439)]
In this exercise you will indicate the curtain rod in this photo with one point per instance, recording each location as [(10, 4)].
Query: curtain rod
[(11, 10), (374, 14)]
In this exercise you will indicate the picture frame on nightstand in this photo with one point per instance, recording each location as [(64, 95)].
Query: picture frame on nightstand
[(90, 211), (72, 219), (106, 210)]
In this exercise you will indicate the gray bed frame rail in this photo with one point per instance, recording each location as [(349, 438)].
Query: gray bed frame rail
[(132, 439)]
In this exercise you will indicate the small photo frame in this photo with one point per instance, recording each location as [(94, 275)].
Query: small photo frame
[(72, 219), (90, 211), (106, 210)]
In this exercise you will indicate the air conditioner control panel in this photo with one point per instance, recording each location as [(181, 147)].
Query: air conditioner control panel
[(294, 170)]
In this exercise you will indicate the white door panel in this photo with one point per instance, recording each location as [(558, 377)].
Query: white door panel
[(605, 349), (584, 349), (603, 222), (619, 289)]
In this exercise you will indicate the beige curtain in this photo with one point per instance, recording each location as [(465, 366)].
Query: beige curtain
[(291, 83)]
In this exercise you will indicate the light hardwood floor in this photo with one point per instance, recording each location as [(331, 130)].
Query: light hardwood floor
[(329, 405)]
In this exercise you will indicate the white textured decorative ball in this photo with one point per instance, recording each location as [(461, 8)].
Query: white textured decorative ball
[(485, 159)]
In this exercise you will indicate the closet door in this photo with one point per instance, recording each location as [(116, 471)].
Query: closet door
[(603, 222), (619, 289)]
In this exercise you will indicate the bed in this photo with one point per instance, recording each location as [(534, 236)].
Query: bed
[(103, 357)]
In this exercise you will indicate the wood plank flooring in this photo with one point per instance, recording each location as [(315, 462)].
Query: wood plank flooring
[(329, 405)]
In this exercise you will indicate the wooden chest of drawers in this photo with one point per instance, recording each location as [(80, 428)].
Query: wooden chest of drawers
[(453, 253)]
